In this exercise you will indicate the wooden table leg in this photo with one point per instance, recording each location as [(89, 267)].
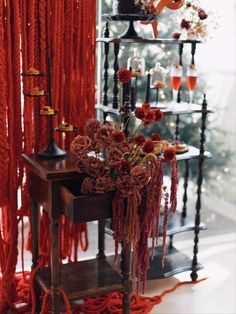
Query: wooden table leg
[(126, 273), (54, 263), (34, 220), (101, 239)]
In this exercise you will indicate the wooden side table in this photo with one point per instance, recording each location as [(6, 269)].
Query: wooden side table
[(54, 184)]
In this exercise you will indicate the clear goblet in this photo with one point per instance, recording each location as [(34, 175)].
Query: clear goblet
[(176, 73), (192, 76)]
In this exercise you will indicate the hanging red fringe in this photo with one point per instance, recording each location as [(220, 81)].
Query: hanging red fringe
[(29, 32)]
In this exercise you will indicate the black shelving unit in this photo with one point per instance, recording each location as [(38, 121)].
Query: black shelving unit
[(175, 261)]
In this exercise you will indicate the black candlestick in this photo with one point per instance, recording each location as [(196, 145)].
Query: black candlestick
[(52, 151)]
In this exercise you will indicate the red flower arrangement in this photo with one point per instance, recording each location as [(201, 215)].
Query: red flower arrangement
[(132, 169), (193, 21)]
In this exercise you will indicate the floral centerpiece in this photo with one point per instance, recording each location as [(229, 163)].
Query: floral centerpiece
[(193, 22), (131, 167)]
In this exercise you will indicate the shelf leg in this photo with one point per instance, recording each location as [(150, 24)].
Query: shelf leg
[(34, 219), (181, 47), (106, 66), (177, 128), (54, 263), (101, 239), (116, 69), (126, 273), (194, 274), (185, 197), (171, 241)]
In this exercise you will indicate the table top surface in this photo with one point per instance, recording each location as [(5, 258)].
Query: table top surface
[(52, 169)]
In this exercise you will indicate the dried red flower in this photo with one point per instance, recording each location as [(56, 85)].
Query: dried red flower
[(139, 140), (176, 35), (118, 136), (149, 117), (125, 167), (185, 24), (114, 157), (156, 137), (146, 105), (202, 14), (148, 147), (124, 75), (140, 113), (158, 115), (169, 154)]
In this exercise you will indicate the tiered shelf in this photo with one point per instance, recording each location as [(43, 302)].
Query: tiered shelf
[(80, 280), (175, 261)]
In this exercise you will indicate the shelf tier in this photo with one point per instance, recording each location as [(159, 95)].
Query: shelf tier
[(176, 224), (84, 279), (165, 41), (130, 17), (175, 263), (168, 108)]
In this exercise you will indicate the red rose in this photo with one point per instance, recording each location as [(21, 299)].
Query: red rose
[(169, 154), (185, 24), (124, 75), (125, 167), (139, 140), (156, 137), (140, 113), (158, 115), (118, 136), (146, 105), (149, 117), (176, 35), (148, 147)]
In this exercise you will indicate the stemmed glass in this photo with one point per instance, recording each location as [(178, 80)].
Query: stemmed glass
[(176, 73), (191, 81)]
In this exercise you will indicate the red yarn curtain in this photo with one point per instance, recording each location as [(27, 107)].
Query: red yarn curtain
[(31, 31)]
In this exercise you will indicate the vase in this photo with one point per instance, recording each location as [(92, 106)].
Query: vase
[(126, 7)]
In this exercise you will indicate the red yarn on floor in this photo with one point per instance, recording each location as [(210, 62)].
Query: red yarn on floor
[(110, 303)]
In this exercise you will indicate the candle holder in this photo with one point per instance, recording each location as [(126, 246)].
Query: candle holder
[(52, 151)]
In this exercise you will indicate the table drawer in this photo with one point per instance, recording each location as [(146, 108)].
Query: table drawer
[(81, 208)]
